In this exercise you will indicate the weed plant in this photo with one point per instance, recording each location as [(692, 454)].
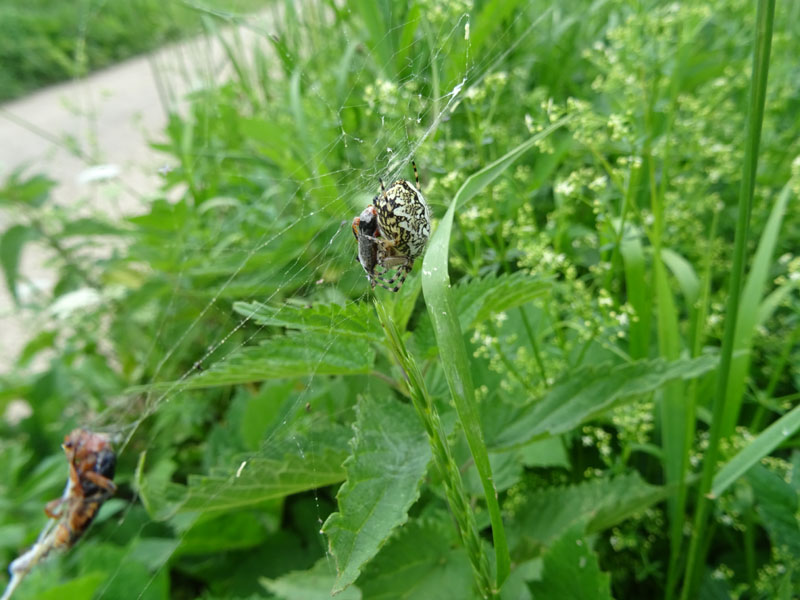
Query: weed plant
[(585, 389)]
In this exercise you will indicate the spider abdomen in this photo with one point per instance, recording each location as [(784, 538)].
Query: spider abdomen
[(404, 220)]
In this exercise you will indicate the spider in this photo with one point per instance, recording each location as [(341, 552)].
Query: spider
[(365, 229), (403, 229)]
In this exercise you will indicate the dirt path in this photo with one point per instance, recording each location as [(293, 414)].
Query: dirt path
[(104, 123)]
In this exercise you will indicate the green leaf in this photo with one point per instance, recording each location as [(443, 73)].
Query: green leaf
[(491, 17), (418, 563), (586, 393), (83, 587), (356, 319), (548, 452), (547, 514), (442, 309), (776, 504), (281, 470), (11, 244), (571, 570), (480, 298), (384, 473), (223, 532), (314, 584), (637, 289), (683, 271), (87, 226), (126, 574), (33, 191), (282, 357), (749, 311), (761, 446)]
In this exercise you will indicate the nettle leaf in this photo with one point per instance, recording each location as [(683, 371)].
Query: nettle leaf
[(356, 320), (285, 467), (420, 562), (571, 570), (547, 514), (480, 298), (316, 583), (389, 459), (282, 357), (776, 504), (587, 392)]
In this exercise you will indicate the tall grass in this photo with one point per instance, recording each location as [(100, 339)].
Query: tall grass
[(725, 409), (589, 325)]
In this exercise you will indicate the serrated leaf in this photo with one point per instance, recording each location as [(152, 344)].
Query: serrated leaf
[(477, 299), (587, 392), (418, 563), (314, 584), (390, 456), (547, 514), (480, 298), (285, 467), (282, 357), (571, 570), (357, 320), (11, 244)]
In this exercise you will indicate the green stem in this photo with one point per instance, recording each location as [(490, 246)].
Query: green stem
[(443, 456), (534, 345), (699, 544), (698, 336)]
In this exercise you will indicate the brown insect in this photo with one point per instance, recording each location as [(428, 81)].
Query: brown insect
[(91, 470)]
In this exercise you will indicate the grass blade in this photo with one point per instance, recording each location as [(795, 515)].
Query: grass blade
[(442, 454), (758, 88), (760, 447), (748, 318), (441, 307)]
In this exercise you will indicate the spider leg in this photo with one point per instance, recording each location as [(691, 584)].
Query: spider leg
[(383, 188), (399, 277), (416, 175)]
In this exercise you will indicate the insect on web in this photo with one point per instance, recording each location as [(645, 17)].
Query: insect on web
[(401, 138)]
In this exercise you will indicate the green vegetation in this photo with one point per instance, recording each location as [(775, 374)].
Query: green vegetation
[(584, 390), (47, 41)]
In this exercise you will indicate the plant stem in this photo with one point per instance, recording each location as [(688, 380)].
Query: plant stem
[(699, 544), (442, 455)]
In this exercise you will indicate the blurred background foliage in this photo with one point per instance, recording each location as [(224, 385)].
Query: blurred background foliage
[(44, 42), (226, 334)]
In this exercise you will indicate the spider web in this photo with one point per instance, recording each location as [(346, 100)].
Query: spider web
[(405, 134)]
